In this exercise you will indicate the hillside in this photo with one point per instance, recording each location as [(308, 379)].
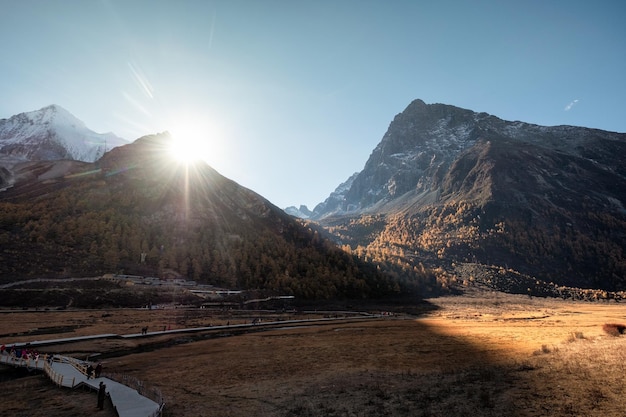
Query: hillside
[(447, 186), (137, 211), (48, 134)]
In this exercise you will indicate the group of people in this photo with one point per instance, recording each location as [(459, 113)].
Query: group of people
[(25, 353), (94, 372), (19, 353)]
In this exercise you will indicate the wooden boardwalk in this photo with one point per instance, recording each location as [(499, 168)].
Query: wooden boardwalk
[(68, 372)]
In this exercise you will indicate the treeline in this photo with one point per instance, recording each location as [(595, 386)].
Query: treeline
[(99, 226), (584, 250)]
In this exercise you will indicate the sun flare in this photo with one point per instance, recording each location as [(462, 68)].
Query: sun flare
[(190, 142), (185, 149)]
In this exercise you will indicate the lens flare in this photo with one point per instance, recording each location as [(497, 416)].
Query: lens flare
[(190, 142)]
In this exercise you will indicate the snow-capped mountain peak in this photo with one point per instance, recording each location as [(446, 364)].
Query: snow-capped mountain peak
[(52, 133), (54, 114)]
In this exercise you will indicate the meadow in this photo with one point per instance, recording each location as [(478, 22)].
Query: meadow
[(480, 354)]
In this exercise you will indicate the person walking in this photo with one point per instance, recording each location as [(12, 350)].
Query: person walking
[(98, 369), (101, 395)]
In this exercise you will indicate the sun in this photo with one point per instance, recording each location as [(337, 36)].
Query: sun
[(185, 148), (190, 141)]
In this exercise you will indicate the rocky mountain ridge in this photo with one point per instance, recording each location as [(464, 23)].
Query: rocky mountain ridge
[(447, 186), (424, 141), (48, 134)]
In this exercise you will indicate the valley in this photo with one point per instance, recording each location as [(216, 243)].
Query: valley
[(483, 353), (475, 267), (462, 254)]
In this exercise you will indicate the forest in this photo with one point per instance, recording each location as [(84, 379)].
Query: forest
[(223, 235), (543, 244)]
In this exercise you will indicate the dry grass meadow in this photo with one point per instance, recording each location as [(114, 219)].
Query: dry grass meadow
[(482, 354)]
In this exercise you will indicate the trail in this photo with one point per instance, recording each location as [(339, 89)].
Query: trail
[(68, 372)]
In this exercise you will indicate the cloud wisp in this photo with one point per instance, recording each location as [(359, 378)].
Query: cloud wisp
[(570, 105)]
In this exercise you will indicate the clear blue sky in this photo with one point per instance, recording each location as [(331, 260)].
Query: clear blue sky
[(297, 94)]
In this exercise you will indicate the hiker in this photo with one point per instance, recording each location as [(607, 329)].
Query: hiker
[(98, 369), (89, 371), (101, 395)]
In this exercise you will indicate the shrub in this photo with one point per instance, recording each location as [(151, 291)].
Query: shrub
[(614, 329), (575, 336), (545, 349)]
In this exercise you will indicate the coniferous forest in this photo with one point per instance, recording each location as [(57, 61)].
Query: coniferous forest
[(135, 212)]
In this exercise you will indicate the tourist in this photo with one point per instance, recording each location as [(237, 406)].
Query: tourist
[(98, 369), (101, 395)]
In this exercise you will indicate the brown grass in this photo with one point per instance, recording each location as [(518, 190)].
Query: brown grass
[(478, 355), (36, 396)]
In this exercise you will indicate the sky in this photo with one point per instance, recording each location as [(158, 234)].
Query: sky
[(291, 97)]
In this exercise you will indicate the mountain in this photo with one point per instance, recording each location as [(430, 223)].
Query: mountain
[(51, 133), (448, 186), (301, 212), (424, 141), (137, 211)]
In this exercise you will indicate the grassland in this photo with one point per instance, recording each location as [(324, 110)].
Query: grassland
[(481, 354)]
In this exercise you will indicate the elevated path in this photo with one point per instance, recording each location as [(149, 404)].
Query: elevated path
[(68, 372), (128, 402), (256, 326)]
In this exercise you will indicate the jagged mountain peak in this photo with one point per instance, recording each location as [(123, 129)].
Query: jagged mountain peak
[(301, 212), (54, 113), (425, 140), (49, 117), (52, 133), (448, 185), (48, 134)]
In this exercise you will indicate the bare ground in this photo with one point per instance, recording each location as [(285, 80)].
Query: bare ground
[(486, 354)]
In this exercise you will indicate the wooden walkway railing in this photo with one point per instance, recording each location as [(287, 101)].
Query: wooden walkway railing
[(65, 371)]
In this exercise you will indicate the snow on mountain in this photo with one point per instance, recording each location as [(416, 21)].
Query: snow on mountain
[(52, 133), (425, 141), (302, 212), (336, 202)]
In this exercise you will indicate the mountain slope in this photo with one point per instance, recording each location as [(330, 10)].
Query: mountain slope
[(422, 143), (48, 134), (137, 211), (448, 185), (53, 133)]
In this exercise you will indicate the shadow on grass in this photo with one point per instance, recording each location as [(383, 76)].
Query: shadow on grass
[(382, 367), (395, 366)]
